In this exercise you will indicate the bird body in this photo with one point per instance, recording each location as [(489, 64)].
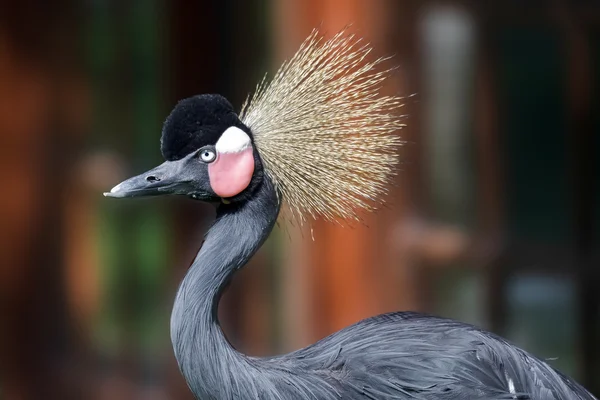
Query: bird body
[(249, 165), (400, 355)]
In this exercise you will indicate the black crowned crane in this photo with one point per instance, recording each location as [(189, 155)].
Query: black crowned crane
[(320, 137)]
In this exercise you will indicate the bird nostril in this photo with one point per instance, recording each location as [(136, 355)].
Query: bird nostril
[(152, 178)]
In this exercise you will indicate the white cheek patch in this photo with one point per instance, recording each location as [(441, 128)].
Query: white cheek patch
[(231, 172), (233, 140)]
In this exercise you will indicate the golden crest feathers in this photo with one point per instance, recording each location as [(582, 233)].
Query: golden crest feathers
[(326, 135)]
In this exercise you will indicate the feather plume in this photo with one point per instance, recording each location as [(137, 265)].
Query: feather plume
[(326, 135)]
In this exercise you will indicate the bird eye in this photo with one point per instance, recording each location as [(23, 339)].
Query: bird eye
[(207, 155)]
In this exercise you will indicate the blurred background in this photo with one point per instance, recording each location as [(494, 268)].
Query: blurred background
[(494, 219)]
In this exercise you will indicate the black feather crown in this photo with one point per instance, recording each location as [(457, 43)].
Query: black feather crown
[(196, 122)]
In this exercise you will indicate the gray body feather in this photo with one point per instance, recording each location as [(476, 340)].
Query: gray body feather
[(391, 356)]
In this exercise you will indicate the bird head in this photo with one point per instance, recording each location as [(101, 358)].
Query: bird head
[(322, 129), (209, 155)]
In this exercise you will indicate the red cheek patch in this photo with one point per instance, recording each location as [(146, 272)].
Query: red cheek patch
[(231, 173)]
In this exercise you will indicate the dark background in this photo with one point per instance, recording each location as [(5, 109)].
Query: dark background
[(494, 219)]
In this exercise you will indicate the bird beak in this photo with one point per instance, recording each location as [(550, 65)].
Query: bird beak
[(164, 179)]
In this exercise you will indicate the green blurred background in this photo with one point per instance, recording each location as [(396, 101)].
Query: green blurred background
[(494, 218)]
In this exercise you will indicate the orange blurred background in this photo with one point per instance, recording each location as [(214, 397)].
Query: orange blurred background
[(494, 218)]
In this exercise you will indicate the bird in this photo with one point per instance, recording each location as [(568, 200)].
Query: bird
[(318, 140)]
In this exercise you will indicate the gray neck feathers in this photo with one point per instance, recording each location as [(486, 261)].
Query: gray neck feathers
[(210, 365)]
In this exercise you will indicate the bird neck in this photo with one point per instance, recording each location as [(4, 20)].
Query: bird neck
[(210, 365)]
